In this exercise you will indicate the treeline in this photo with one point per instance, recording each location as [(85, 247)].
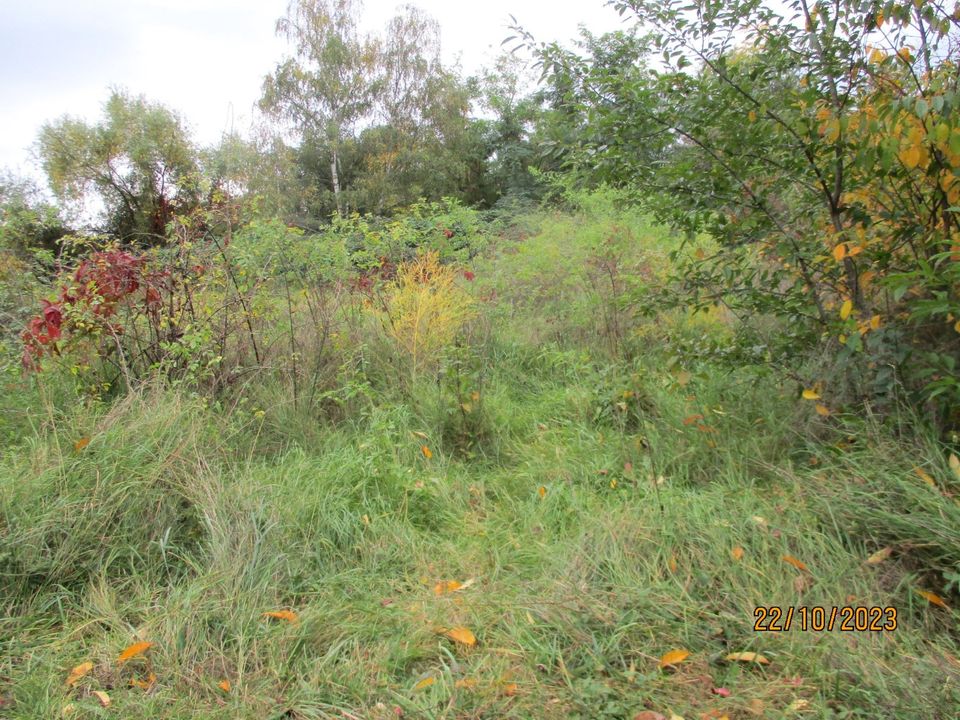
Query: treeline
[(817, 147)]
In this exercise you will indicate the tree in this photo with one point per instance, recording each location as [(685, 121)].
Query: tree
[(138, 162), (27, 220), (326, 88), (819, 144)]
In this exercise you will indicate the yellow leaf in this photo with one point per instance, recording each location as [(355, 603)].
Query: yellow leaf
[(875, 322), (811, 395), (752, 116), (135, 650), (78, 672), (426, 452), (447, 586), (674, 657), (879, 556), (799, 704), (925, 477), (737, 553), (466, 683), (877, 56), (425, 683), (840, 252), (224, 685), (102, 697), (144, 684), (846, 309), (542, 491), (791, 560), (910, 157), (748, 657), (822, 410), (81, 444), (462, 635), (417, 433), (475, 395), (288, 615), (933, 598), (954, 462)]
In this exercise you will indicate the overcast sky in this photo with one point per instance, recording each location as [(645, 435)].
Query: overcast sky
[(205, 58)]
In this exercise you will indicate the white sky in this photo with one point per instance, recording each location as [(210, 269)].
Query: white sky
[(205, 59)]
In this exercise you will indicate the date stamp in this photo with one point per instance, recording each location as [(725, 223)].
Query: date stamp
[(847, 618)]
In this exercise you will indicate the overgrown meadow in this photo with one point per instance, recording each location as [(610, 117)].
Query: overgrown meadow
[(449, 465)]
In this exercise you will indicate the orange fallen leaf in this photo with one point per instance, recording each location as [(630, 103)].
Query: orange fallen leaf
[(425, 683), (426, 452), (78, 672), (446, 586), (542, 491), (933, 598), (462, 635), (737, 553), (466, 683), (287, 615), (691, 419), (135, 650), (822, 410), (510, 689), (879, 556), (81, 444), (144, 684), (674, 657), (672, 563), (791, 560), (102, 697), (224, 685), (925, 477), (747, 657)]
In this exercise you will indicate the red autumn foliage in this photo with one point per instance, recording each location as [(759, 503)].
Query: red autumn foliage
[(97, 285)]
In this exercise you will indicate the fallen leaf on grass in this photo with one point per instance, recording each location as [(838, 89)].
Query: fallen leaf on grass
[(691, 419), (426, 452), (102, 697), (674, 657), (144, 684), (822, 410), (747, 657), (288, 615), (672, 563), (417, 433), (791, 560), (510, 689), (78, 672), (721, 691), (424, 684), (466, 683), (224, 685), (135, 650), (81, 444), (925, 477), (811, 395), (933, 598), (542, 491), (446, 586), (879, 556), (462, 635), (737, 553), (649, 715), (799, 704), (955, 465)]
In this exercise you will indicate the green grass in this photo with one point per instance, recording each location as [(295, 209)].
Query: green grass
[(181, 524)]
